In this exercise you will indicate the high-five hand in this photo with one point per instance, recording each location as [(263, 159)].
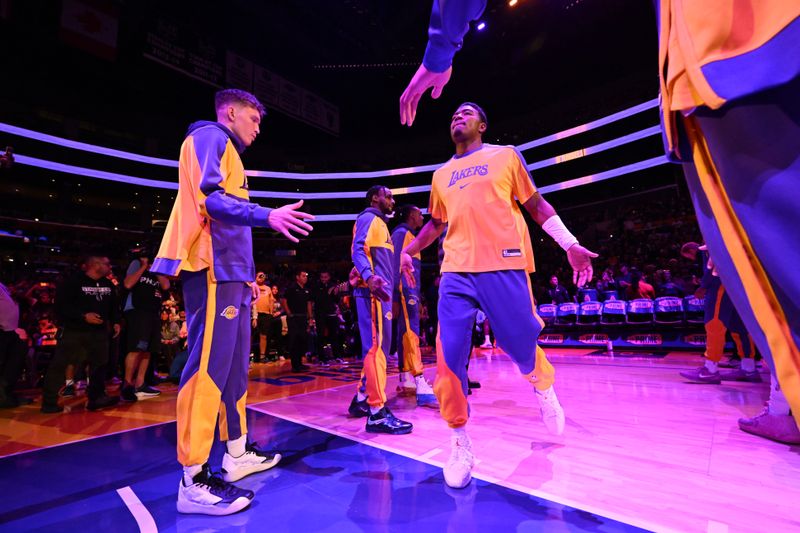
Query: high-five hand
[(286, 220), (423, 80)]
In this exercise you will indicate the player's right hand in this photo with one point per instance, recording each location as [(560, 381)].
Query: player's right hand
[(286, 220), (377, 286), (423, 80), (407, 269)]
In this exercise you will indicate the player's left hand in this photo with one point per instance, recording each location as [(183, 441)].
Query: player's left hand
[(355, 277), (581, 261), (423, 80), (285, 220), (254, 290)]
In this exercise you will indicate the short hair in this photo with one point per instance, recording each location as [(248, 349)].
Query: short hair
[(405, 211), (375, 190), (476, 107), (227, 97)]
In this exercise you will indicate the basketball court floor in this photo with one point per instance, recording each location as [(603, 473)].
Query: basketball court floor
[(642, 450)]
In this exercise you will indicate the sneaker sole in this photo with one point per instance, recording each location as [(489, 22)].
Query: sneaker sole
[(465, 483), (146, 395), (253, 469), (391, 432), (187, 507)]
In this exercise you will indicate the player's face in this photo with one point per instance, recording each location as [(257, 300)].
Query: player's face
[(246, 123), (466, 124), (415, 219), (261, 278), (302, 278), (324, 277), (554, 281), (385, 201)]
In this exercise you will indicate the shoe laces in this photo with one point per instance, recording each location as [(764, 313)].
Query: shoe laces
[(217, 485)]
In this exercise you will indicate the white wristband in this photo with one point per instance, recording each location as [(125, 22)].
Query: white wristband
[(559, 232)]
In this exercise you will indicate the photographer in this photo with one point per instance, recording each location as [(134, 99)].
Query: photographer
[(87, 308), (143, 317)]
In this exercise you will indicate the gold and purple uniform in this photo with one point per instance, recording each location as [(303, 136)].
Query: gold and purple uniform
[(730, 76), (373, 254), (409, 357), (487, 261), (208, 243)]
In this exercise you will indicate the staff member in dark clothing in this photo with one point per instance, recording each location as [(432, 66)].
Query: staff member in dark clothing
[(143, 320), (87, 309), (326, 316), (296, 302)]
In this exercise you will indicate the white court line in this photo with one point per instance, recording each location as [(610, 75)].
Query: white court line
[(432, 453), (717, 527), (143, 517), (544, 495)]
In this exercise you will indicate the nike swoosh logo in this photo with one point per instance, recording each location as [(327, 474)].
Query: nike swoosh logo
[(465, 185)]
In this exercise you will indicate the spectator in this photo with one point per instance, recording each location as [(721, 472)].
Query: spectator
[(557, 293), (87, 307)]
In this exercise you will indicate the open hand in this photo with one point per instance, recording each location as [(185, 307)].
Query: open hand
[(423, 80), (407, 269), (581, 261), (286, 220)]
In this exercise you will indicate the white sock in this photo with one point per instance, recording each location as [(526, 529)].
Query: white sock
[(236, 446), (748, 364), (360, 396), (374, 410), (420, 378), (487, 340), (777, 401), (189, 472), (460, 433), (711, 365), (69, 382)]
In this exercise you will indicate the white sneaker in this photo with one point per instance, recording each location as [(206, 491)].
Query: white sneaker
[(208, 494), (486, 346), (251, 461), (458, 470), (552, 412), (425, 395)]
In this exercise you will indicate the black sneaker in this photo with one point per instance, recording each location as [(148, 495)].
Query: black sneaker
[(385, 422), (209, 494), (51, 408), (358, 409), (128, 394), (146, 391), (473, 384), (102, 402)]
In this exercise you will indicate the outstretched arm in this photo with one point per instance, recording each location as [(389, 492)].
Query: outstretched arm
[(449, 23)]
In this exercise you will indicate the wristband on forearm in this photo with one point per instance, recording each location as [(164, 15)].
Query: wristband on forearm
[(559, 232)]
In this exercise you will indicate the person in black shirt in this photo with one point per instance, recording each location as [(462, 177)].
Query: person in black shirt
[(296, 302), (558, 294), (143, 320), (87, 308)]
